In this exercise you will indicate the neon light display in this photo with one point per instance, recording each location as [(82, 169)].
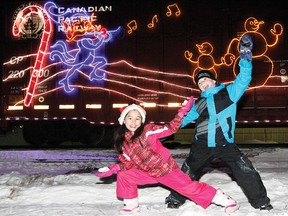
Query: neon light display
[(172, 9), (80, 27), (205, 60), (89, 38), (23, 17), (153, 22), (86, 55), (82, 49), (252, 27), (145, 72), (132, 26), (77, 24)]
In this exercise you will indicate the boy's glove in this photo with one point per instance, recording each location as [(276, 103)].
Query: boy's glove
[(108, 171), (186, 106), (246, 46)]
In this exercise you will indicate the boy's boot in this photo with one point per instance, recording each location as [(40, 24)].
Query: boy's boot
[(131, 206), (173, 202), (226, 201), (267, 206)]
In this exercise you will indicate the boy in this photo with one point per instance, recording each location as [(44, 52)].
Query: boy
[(215, 114)]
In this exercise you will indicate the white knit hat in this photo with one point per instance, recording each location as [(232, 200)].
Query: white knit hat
[(129, 108)]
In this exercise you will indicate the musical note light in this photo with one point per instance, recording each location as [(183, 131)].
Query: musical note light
[(152, 23), (171, 8), (132, 26)]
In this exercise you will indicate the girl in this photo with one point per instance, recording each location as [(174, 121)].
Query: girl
[(144, 160)]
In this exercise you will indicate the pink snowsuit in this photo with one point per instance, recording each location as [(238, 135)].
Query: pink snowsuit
[(147, 161)]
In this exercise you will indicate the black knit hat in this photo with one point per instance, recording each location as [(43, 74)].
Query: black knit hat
[(203, 73)]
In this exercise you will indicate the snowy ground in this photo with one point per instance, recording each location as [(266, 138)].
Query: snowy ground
[(61, 182)]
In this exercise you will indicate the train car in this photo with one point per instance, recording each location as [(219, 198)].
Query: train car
[(68, 66)]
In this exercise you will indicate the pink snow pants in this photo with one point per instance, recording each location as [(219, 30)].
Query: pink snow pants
[(199, 192)]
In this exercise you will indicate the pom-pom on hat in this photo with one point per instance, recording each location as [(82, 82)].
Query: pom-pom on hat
[(203, 73), (125, 110)]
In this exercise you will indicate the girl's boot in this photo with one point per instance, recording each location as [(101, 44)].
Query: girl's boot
[(130, 206), (226, 201)]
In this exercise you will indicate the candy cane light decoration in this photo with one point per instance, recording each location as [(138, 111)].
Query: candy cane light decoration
[(21, 19)]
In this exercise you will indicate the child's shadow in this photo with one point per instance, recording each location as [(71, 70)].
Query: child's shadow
[(107, 180)]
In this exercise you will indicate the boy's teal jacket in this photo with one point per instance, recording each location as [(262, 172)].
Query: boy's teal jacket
[(222, 111)]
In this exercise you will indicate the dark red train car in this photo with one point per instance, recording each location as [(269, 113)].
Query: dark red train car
[(68, 66)]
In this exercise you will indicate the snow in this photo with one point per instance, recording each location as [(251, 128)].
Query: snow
[(61, 182)]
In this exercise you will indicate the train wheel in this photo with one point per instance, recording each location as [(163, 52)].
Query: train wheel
[(34, 134)]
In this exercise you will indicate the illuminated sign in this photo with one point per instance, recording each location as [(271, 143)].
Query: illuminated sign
[(61, 14)]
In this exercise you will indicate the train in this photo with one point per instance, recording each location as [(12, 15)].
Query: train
[(67, 67)]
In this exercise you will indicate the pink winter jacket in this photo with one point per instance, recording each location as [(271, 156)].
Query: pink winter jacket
[(147, 153)]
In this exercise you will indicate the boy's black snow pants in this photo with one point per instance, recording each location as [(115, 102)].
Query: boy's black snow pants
[(200, 156)]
